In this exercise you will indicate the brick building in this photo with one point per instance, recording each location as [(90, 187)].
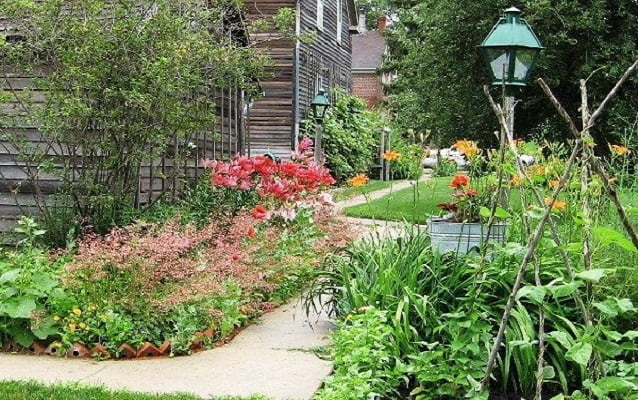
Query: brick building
[(368, 49)]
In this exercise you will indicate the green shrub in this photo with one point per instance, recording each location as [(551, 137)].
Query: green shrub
[(350, 138), (410, 163)]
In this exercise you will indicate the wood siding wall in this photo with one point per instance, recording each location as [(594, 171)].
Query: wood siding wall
[(23, 185), (323, 61), (270, 118)]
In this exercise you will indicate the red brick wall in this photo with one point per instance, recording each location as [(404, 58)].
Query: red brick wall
[(368, 87)]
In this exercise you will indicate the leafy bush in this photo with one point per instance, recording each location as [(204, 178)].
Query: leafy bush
[(443, 312), (410, 163), (350, 137)]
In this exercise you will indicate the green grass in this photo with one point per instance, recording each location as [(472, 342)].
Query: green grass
[(345, 193), (18, 390), (408, 204)]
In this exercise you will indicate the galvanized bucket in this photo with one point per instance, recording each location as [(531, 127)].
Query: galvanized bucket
[(462, 237)]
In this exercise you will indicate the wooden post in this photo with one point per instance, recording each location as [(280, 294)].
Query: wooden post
[(318, 148)]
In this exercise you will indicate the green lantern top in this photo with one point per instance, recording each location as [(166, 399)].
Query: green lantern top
[(320, 105), (511, 49)]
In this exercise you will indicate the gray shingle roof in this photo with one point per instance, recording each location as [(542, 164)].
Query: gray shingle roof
[(367, 50)]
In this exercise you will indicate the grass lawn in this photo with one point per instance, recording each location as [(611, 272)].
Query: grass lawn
[(414, 206), (410, 204), (16, 390), (347, 192)]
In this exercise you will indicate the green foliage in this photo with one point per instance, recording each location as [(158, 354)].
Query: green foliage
[(350, 137), (410, 163), (126, 84), (28, 282), (444, 311), (366, 356), (440, 72), (444, 167)]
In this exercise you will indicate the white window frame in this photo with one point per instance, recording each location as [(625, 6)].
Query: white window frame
[(320, 7), (339, 20)]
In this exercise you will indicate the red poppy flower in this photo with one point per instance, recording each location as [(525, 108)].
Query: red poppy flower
[(236, 256), (471, 192), (459, 181), (260, 212)]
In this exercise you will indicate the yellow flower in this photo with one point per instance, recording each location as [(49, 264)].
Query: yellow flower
[(77, 311), (539, 170), (56, 318), (92, 308), (391, 155), (619, 150), (557, 206), (516, 180), (466, 147), (553, 183), (358, 180), (72, 327), (82, 325)]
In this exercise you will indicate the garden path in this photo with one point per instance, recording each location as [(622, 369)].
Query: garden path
[(274, 357)]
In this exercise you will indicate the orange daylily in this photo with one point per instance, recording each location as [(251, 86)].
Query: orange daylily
[(516, 180), (459, 181), (391, 155), (466, 147), (558, 204), (619, 150), (358, 180)]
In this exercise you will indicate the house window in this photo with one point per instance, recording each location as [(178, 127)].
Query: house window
[(320, 15), (339, 19)]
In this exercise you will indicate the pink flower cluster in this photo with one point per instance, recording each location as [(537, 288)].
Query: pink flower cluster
[(289, 180)]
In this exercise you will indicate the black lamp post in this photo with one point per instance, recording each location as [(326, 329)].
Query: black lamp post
[(320, 105), (511, 50)]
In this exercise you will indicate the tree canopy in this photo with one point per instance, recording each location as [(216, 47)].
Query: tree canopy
[(433, 48)]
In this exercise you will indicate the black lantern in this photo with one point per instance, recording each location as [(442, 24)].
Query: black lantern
[(320, 105), (511, 50)]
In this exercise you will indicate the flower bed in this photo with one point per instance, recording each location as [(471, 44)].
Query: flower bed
[(171, 287)]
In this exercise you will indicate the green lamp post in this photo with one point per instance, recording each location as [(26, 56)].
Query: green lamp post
[(320, 105), (511, 50)]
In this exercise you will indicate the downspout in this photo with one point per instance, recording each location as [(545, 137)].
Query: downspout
[(296, 77)]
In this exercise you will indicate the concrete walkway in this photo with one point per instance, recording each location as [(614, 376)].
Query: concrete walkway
[(273, 358)]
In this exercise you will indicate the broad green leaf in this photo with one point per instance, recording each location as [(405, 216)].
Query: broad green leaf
[(594, 275), (616, 384), (502, 213), (558, 397), (625, 305), (44, 282), (535, 293), (608, 308), (10, 276), (564, 290), (631, 335), (19, 308), (580, 353), (45, 329), (549, 372), (561, 337), (485, 212), (23, 337), (610, 236)]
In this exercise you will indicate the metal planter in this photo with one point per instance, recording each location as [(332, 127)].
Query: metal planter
[(462, 237)]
